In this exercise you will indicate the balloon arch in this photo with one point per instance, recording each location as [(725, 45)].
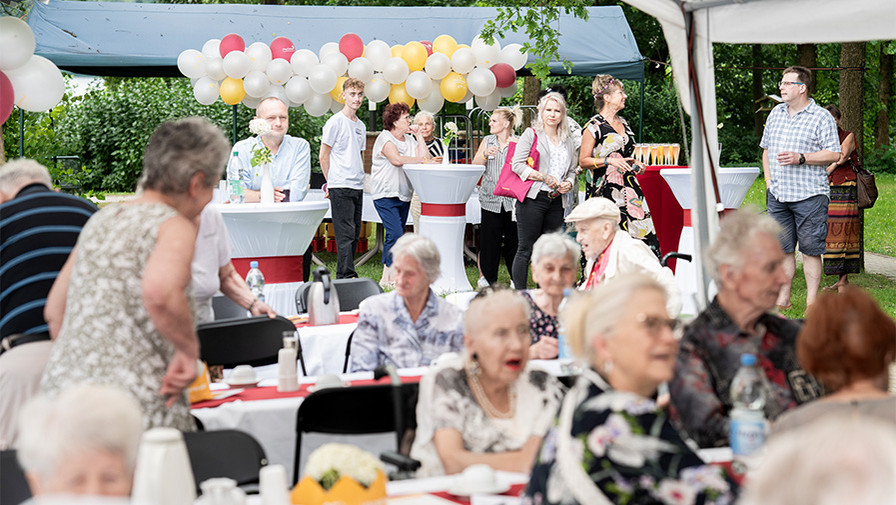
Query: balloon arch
[(27, 80), (426, 72)]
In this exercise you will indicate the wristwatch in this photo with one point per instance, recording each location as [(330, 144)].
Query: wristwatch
[(802, 159)]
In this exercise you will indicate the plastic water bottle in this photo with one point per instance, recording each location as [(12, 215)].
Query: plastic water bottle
[(255, 281), (748, 424), (234, 180), (568, 365)]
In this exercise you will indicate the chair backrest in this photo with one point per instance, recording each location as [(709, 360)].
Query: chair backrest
[(14, 488), (225, 308), (225, 453), (355, 410), (351, 292), (250, 340)]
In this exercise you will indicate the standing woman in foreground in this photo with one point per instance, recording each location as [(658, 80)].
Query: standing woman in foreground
[(498, 238), (607, 147), (555, 175), (122, 310)]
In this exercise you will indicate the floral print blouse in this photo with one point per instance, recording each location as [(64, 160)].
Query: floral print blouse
[(620, 448), (541, 324)]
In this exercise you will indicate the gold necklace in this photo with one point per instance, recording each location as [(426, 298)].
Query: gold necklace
[(486, 404)]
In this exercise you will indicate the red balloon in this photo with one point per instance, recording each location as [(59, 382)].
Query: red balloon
[(282, 47), (232, 42), (428, 45), (351, 46), (505, 75), (7, 97)]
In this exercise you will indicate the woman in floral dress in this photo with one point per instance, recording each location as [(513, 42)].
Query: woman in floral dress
[(611, 443), (607, 146)]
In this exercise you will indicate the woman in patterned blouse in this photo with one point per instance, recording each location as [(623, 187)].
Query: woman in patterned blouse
[(555, 263), (611, 443)]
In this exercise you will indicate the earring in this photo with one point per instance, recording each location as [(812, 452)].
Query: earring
[(608, 366), (474, 368)]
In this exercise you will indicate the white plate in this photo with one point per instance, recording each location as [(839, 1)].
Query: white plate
[(226, 393), (242, 384), (459, 489)]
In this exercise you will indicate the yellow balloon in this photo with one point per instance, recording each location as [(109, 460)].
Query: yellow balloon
[(415, 55), (397, 49), (444, 44), (463, 45), (399, 94), (232, 91), (453, 87), (336, 92)]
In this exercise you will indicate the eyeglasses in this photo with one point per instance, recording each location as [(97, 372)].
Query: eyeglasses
[(781, 84), (656, 324)]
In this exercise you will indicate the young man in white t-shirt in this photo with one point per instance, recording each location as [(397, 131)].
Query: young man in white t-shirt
[(344, 137)]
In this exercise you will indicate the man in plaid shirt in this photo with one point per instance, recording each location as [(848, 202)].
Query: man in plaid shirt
[(799, 141)]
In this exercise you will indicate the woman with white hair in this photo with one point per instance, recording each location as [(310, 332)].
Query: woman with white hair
[(410, 326), (554, 175), (611, 442), (487, 406), (426, 125), (83, 441), (555, 264)]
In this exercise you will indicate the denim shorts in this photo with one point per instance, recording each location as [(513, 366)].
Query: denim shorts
[(804, 222)]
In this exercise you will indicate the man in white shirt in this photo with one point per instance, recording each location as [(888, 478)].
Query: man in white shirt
[(344, 137), (291, 165)]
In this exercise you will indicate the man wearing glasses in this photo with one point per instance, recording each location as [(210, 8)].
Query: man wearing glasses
[(799, 141)]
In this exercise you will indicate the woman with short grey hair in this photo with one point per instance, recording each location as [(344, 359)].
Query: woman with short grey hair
[(122, 310), (555, 264)]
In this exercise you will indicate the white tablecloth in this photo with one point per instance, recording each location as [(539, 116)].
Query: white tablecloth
[(323, 347), (369, 214)]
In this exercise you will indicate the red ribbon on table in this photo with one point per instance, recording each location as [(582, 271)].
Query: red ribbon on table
[(276, 269), (443, 209), (687, 217)]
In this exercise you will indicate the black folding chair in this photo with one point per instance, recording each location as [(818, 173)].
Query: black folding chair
[(356, 410), (14, 488), (244, 341), (225, 308), (225, 453), (348, 351), (351, 293)]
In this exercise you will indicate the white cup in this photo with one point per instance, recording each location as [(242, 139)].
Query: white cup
[(479, 478), (272, 485), (243, 374)]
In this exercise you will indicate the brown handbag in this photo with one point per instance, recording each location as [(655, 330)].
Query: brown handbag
[(865, 187)]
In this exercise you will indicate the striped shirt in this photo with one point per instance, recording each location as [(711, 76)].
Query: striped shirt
[(810, 130), (38, 229)]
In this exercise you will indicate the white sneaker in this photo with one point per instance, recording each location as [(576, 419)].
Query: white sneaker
[(482, 282)]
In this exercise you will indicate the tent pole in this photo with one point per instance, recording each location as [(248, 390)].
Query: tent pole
[(21, 132), (234, 124), (641, 115)]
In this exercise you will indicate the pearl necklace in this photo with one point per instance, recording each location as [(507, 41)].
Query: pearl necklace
[(485, 403)]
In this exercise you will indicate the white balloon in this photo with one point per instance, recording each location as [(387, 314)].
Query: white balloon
[(463, 60), (467, 97), (303, 61), (214, 67), (190, 63), (279, 71), (509, 91), (251, 101), (418, 85), (329, 47), (277, 91), (437, 66), (486, 54), (377, 89), (212, 48), (378, 52), (259, 56), (236, 64), (489, 102), (322, 79), (37, 85), (481, 82), (318, 104), (256, 84), (335, 106), (205, 91), (17, 41), (433, 103), (360, 68), (298, 90), (512, 56), (396, 70), (337, 61)]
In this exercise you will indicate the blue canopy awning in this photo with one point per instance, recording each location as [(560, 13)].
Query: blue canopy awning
[(141, 39)]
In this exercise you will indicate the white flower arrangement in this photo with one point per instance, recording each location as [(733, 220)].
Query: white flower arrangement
[(450, 132), (260, 155), (331, 461)]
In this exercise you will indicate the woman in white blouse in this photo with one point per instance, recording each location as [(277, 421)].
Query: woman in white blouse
[(554, 175), (400, 142)]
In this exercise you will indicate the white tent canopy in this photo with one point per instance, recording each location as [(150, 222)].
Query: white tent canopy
[(745, 22)]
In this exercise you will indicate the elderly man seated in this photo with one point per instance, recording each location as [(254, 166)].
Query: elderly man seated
[(611, 252), (746, 262), (410, 326)]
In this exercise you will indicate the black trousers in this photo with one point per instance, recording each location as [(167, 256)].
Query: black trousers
[(534, 217), (346, 212), (497, 239)]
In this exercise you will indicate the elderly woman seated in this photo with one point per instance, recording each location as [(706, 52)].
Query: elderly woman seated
[(83, 441), (410, 326), (611, 251), (487, 406), (555, 263), (611, 442), (847, 343)]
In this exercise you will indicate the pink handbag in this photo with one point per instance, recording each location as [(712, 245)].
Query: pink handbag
[(509, 183)]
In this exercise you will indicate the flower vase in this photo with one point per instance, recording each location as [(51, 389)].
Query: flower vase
[(346, 491), (446, 156), (267, 186)]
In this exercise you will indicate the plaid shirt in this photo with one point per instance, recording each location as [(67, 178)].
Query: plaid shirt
[(386, 334), (810, 130)]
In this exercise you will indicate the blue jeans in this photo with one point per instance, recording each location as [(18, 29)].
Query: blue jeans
[(394, 214)]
